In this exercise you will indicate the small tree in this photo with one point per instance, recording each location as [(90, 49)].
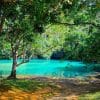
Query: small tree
[(18, 33)]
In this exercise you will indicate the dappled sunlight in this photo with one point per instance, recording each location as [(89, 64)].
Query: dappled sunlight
[(26, 90), (47, 88), (17, 94)]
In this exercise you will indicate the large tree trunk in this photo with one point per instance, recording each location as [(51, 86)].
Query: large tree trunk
[(14, 65)]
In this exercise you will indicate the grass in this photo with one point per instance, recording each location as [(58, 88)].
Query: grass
[(90, 96), (31, 87), (25, 85)]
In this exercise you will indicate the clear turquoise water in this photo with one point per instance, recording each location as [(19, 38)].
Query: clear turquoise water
[(48, 68)]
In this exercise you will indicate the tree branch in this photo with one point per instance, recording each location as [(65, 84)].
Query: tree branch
[(1, 24), (24, 61)]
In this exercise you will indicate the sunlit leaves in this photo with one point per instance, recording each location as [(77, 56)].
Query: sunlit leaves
[(24, 19)]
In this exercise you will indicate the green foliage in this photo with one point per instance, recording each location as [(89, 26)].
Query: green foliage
[(75, 43), (5, 52), (50, 41), (25, 18)]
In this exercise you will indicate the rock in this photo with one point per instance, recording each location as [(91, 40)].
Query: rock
[(57, 55)]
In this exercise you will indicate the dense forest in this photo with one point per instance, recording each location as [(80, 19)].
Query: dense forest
[(49, 29)]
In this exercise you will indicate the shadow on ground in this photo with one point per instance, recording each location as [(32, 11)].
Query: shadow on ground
[(41, 87)]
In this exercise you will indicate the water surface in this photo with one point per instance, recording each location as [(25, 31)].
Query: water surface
[(48, 68)]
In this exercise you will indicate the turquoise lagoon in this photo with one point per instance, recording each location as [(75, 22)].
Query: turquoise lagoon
[(48, 68)]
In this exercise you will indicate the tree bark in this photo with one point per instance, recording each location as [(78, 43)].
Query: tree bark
[(1, 24), (14, 65)]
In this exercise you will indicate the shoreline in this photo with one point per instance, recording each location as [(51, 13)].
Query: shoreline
[(94, 75)]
